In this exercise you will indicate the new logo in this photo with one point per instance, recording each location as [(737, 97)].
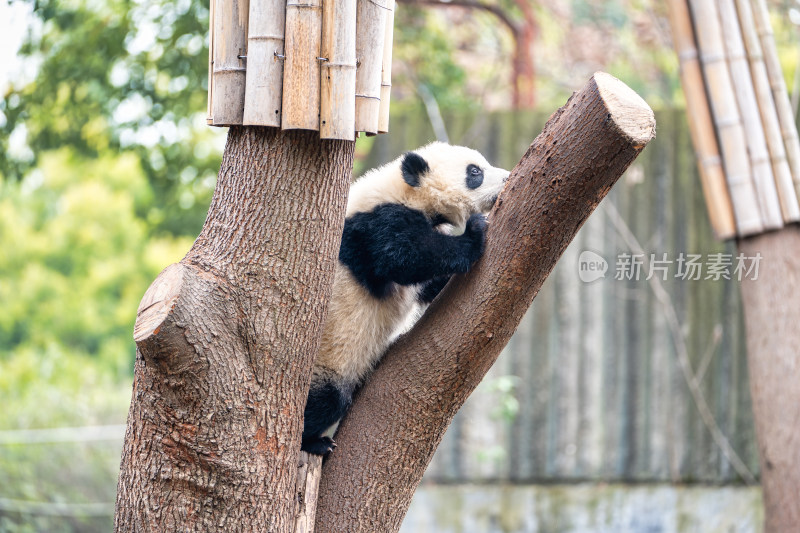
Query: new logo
[(591, 266)]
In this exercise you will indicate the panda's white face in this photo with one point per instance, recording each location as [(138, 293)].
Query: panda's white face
[(443, 181), (451, 181)]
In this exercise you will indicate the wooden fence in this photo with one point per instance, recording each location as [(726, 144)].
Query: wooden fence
[(595, 366)]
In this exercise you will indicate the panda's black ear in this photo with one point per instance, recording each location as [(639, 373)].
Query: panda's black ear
[(413, 167)]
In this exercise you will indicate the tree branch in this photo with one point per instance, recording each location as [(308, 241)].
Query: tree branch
[(471, 4), (399, 417)]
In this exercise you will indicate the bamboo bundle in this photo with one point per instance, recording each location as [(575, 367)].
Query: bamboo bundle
[(784, 107), (712, 176), (725, 112), (301, 64), (371, 24), (386, 72), (230, 49), (262, 100), (338, 70), (769, 114), (301, 74), (763, 178)]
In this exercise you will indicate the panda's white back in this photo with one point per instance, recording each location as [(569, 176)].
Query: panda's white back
[(359, 326)]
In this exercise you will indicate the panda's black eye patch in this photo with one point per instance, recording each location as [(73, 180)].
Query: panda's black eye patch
[(474, 176)]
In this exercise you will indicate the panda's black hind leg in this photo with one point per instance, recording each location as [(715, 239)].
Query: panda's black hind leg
[(327, 403)]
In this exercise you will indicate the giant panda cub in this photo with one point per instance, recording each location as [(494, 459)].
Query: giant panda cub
[(398, 250)]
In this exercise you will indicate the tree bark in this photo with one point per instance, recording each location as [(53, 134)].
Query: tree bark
[(399, 417), (226, 339), (772, 315)]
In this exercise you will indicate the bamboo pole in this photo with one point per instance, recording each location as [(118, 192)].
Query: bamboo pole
[(338, 70), (779, 91), (210, 107), (724, 110), (371, 23), (301, 67), (262, 101), (763, 178), (230, 49), (769, 114), (386, 71), (712, 176)]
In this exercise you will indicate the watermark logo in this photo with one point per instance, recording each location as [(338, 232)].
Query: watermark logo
[(684, 267), (591, 266)]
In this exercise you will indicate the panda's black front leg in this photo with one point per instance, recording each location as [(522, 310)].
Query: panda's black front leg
[(415, 252), (439, 256), (475, 230), (327, 403), (396, 244)]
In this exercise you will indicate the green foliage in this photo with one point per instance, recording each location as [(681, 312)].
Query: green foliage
[(588, 12), (500, 392), (629, 40), (424, 50), (124, 76), (77, 256)]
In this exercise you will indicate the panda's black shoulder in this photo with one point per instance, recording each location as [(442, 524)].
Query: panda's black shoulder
[(369, 238)]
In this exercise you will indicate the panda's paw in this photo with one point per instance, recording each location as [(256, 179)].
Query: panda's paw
[(318, 445), (475, 231), (476, 224)]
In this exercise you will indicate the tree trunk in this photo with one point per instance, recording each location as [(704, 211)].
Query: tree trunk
[(399, 417), (226, 339), (772, 322), (523, 66)]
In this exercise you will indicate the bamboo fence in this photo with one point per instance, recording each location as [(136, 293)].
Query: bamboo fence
[(301, 64), (739, 114)]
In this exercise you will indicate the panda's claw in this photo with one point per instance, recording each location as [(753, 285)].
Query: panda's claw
[(318, 445)]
